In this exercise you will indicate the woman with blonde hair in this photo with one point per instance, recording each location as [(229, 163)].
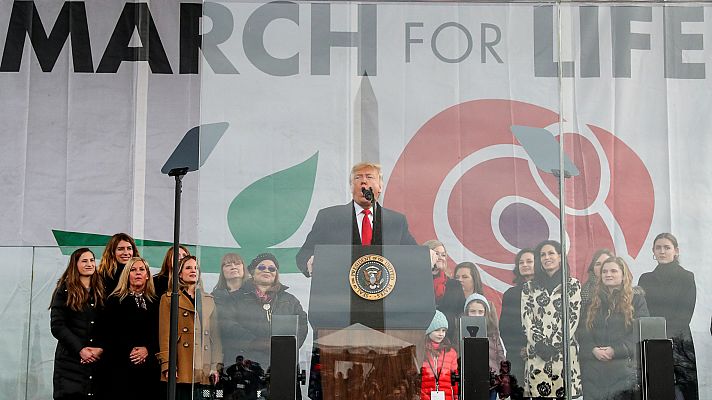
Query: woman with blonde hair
[(160, 280), (120, 249), (76, 324), (199, 355), (132, 319), (608, 342)]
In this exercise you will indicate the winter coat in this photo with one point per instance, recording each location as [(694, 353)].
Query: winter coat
[(616, 378), (251, 329), (160, 284), (75, 330), (511, 330), (587, 291), (451, 304), (131, 326), (670, 292), (446, 365), (111, 282), (227, 308), (198, 337), (496, 351), (542, 319)]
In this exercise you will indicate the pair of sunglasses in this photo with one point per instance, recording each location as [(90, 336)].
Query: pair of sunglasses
[(268, 268)]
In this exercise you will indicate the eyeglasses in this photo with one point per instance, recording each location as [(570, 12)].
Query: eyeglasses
[(266, 268)]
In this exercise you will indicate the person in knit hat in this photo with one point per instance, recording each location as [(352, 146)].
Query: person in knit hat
[(440, 361), (256, 302), (477, 305)]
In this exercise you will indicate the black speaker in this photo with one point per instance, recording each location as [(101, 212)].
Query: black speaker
[(474, 371), (658, 376), (283, 368)]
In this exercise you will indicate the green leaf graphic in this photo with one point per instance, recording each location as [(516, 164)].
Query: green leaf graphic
[(270, 210)]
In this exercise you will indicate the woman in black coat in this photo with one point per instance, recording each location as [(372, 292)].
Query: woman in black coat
[(258, 300), (466, 282), (76, 325), (120, 249), (671, 292), (132, 321), (233, 273), (510, 322), (608, 340)]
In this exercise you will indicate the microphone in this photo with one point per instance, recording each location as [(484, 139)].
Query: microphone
[(367, 193)]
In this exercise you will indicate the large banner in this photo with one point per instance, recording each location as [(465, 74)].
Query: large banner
[(97, 94)]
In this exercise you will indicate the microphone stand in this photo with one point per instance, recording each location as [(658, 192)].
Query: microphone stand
[(178, 173)]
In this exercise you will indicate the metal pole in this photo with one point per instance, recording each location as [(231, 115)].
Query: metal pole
[(564, 282), (178, 173)]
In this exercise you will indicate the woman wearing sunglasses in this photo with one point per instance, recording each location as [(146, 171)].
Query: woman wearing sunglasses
[(258, 301)]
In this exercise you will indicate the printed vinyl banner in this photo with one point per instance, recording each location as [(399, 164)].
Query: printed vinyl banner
[(97, 94)]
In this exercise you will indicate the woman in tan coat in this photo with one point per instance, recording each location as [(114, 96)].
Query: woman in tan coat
[(204, 346)]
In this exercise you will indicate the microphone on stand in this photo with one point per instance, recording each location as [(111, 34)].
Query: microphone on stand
[(367, 193)]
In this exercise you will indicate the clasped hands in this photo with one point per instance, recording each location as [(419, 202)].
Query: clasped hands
[(603, 353), (138, 355), (89, 355)]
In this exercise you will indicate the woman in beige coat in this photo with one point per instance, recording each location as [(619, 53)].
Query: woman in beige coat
[(198, 335)]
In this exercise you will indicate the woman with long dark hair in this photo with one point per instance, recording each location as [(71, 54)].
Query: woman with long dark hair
[(510, 320), (542, 322), (466, 282), (132, 319), (76, 324), (594, 273), (670, 292), (160, 280), (120, 249), (608, 342)]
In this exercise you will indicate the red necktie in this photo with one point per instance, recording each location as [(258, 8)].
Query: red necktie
[(366, 229)]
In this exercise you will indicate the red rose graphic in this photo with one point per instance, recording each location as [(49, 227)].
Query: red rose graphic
[(464, 179)]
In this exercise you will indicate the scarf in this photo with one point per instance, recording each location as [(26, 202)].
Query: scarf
[(139, 299)]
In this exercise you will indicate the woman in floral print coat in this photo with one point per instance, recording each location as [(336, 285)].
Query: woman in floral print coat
[(542, 320)]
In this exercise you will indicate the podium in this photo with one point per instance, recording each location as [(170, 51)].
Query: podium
[(369, 307)]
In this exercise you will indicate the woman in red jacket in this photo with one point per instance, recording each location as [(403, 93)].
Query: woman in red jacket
[(440, 362)]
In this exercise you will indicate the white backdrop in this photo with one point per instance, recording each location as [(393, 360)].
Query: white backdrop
[(84, 141)]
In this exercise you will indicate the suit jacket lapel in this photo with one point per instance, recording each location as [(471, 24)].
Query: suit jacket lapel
[(377, 238), (355, 235)]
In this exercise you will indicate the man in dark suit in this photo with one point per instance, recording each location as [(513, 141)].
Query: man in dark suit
[(344, 224)]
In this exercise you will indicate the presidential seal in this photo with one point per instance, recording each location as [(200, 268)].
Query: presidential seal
[(372, 277)]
